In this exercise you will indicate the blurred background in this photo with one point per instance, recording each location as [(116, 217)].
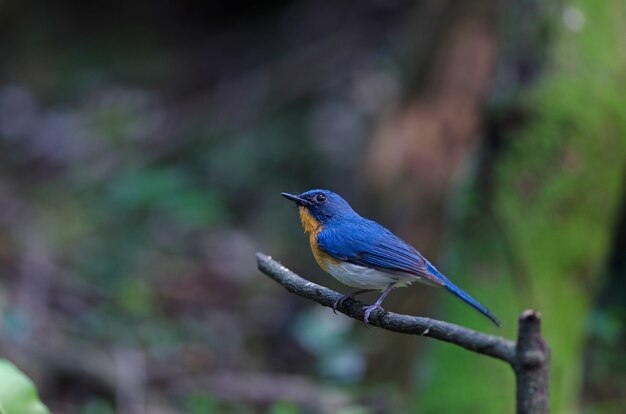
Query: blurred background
[(143, 147)]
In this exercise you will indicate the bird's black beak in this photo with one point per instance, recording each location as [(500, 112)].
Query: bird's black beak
[(296, 199)]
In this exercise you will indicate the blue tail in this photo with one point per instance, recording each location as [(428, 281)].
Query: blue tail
[(455, 290)]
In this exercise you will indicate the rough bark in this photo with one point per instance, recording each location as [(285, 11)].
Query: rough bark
[(531, 365)]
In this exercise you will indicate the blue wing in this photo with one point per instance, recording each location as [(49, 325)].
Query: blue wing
[(367, 243)]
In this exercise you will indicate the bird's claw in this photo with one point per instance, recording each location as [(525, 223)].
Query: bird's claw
[(368, 311), (340, 300)]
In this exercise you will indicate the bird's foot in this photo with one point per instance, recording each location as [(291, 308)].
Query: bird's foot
[(339, 301), (369, 310)]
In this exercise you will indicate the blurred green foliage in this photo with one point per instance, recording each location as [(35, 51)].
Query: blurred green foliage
[(17, 393), (558, 185)]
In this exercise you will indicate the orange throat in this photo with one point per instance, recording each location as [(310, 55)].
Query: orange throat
[(309, 223), (314, 227)]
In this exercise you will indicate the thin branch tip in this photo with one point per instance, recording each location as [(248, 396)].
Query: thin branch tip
[(530, 315)]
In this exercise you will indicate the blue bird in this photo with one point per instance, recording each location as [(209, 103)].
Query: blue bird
[(363, 254)]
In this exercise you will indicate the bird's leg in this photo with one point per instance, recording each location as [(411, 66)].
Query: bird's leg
[(376, 305), (339, 301)]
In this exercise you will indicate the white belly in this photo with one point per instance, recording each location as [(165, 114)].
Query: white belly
[(365, 277)]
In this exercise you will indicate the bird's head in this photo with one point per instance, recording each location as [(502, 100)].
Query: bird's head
[(319, 207)]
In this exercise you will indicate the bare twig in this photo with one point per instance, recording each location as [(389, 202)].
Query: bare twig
[(493, 346), (529, 358)]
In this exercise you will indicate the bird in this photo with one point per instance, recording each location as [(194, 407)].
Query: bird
[(363, 254)]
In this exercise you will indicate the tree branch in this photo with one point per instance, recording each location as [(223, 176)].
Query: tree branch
[(481, 343), (532, 362), (529, 357)]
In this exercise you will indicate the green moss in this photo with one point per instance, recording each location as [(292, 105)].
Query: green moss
[(557, 189)]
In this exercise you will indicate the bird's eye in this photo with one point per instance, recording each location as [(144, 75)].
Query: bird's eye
[(320, 198)]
